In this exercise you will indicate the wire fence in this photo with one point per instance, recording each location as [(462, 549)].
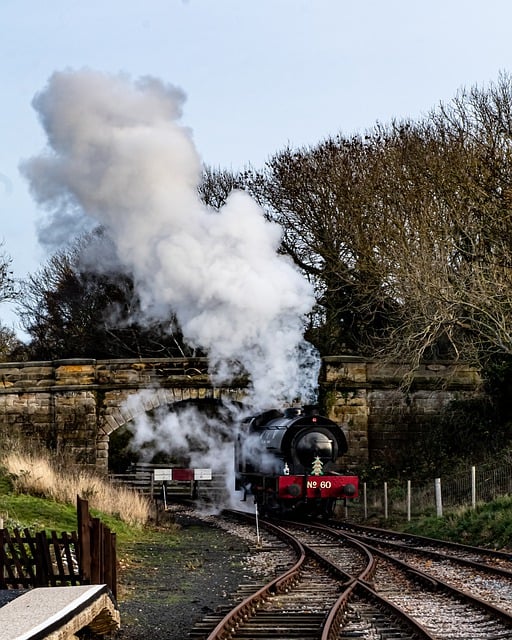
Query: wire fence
[(404, 499)]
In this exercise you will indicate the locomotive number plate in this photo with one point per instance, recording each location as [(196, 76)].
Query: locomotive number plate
[(317, 486)]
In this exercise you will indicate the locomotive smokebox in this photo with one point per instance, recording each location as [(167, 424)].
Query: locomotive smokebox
[(315, 444)]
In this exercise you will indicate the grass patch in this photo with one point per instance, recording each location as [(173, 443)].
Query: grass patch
[(38, 492), (488, 525), (37, 514), (41, 474)]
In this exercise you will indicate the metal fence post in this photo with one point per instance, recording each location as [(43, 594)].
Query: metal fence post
[(439, 498), (473, 487), (408, 500)]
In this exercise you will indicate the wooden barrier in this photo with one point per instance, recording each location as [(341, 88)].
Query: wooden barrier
[(96, 549), (37, 560)]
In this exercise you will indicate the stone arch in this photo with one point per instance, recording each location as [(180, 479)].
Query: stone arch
[(122, 406), (76, 404)]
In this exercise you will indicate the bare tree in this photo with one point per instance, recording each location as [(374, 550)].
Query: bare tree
[(217, 184), (450, 253), (322, 197), (7, 283), (70, 310), (10, 345), (406, 231)]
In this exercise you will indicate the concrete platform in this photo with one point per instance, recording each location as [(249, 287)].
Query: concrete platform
[(58, 613)]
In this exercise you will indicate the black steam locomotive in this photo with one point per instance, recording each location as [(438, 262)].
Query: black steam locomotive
[(289, 462)]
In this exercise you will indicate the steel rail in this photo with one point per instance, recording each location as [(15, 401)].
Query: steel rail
[(439, 555), (358, 584), (337, 615), (425, 578), (228, 625), (409, 538)]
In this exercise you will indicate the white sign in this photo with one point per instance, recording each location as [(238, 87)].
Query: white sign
[(159, 475), (202, 474)]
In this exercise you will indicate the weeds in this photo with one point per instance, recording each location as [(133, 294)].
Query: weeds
[(40, 474)]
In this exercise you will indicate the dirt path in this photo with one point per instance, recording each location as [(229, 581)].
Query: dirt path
[(167, 588)]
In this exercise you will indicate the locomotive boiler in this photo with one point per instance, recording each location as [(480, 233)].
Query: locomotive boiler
[(289, 462)]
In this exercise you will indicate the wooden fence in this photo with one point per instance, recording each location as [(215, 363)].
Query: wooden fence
[(40, 560)]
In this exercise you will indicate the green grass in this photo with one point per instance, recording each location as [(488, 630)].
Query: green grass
[(21, 510), (488, 525), (37, 514)]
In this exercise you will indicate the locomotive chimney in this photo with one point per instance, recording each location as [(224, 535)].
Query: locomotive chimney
[(311, 410)]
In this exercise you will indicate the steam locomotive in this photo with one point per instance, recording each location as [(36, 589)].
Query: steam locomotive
[(288, 461)]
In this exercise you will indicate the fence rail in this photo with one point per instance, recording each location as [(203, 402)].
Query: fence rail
[(40, 559)]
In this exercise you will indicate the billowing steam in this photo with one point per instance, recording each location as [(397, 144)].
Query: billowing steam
[(118, 156)]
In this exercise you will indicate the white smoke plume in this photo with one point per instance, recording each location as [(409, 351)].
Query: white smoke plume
[(117, 155), (189, 437)]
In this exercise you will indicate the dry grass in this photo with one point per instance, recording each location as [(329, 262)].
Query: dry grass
[(38, 474)]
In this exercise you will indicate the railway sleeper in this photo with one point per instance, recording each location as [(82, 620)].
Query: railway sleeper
[(278, 631)]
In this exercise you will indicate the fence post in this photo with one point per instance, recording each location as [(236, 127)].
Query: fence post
[(110, 561), (3, 585), (473, 487), (365, 501), (107, 555), (408, 500), (44, 573), (97, 551), (386, 500), (84, 539), (439, 498)]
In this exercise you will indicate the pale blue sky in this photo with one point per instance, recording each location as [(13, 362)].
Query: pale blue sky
[(258, 74)]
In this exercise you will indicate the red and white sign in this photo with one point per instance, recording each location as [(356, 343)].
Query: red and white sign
[(318, 487), (161, 475)]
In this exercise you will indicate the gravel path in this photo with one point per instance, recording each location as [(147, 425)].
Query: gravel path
[(166, 589)]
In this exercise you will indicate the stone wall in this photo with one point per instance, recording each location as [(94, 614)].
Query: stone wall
[(382, 408), (74, 405)]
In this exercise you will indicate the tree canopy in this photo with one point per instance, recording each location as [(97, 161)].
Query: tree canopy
[(71, 310), (9, 343), (405, 232)]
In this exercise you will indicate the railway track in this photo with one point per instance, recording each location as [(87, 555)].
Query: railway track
[(484, 573), (454, 549), (459, 597), (312, 597), (328, 583)]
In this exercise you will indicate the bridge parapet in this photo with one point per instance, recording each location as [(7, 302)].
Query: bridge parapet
[(383, 405), (92, 373)]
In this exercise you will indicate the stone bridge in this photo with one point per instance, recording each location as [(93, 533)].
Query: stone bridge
[(75, 405)]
